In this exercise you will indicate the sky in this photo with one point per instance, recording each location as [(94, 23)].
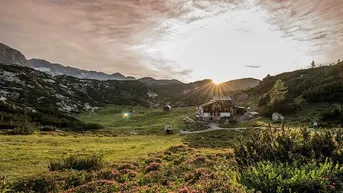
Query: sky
[(187, 40)]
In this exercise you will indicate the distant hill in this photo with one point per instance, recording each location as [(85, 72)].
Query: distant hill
[(58, 69), (185, 94), (242, 84), (153, 82), (9, 55), (313, 91)]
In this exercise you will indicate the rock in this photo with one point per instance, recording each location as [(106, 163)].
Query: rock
[(168, 129), (9, 55)]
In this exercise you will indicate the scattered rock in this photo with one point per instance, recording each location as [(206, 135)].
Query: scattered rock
[(168, 129)]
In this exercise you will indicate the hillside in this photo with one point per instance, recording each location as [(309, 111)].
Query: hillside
[(9, 55), (319, 89), (29, 95), (58, 69), (28, 87), (195, 93)]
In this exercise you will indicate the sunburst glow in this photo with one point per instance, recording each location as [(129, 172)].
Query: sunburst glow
[(216, 82)]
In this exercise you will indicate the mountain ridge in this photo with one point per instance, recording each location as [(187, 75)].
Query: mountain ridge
[(59, 69), (10, 55)]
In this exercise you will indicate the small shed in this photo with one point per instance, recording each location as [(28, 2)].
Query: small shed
[(277, 117), (166, 108)]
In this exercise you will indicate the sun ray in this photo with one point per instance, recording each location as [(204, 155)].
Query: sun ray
[(206, 86)]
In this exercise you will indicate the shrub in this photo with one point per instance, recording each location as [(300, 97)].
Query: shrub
[(76, 162), (333, 115), (273, 177), (288, 146), (25, 128), (48, 128)]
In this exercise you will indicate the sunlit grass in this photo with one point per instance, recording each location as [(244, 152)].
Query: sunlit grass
[(141, 120), (25, 155)]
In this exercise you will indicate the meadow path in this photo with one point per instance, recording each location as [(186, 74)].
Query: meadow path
[(213, 127)]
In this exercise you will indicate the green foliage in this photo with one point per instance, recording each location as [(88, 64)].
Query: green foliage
[(278, 93), (24, 129), (214, 139), (272, 177), (291, 160), (76, 162), (274, 100), (288, 146), (334, 115), (26, 122), (306, 88)]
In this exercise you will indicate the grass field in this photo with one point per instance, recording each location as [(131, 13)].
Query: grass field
[(141, 120), (25, 155)]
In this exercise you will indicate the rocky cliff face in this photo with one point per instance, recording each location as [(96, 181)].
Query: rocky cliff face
[(29, 88), (58, 69), (9, 55)]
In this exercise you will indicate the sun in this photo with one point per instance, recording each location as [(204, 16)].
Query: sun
[(216, 82)]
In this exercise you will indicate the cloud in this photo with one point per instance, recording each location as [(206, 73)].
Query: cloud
[(253, 66), (120, 35), (314, 24), (103, 35)]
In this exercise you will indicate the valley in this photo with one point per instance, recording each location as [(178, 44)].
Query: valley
[(69, 130)]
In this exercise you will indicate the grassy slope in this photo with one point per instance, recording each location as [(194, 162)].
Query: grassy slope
[(151, 122), (24, 155)]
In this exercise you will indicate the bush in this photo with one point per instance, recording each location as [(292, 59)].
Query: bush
[(333, 115), (291, 160), (288, 146), (76, 162), (272, 177), (25, 128), (47, 128), (50, 182)]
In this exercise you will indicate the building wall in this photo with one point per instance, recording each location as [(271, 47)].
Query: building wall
[(218, 107), (206, 114), (225, 114)]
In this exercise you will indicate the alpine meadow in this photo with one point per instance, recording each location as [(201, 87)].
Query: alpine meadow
[(171, 96)]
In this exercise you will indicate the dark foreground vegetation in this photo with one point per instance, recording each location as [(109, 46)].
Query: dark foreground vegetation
[(15, 120), (270, 160)]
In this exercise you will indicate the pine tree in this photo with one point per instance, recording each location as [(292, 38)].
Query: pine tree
[(278, 93), (313, 64)]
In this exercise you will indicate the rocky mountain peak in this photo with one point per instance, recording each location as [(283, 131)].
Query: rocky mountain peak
[(9, 55)]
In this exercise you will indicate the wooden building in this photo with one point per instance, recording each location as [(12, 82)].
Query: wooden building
[(217, 108)]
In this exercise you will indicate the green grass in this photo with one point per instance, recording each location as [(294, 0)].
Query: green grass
[(25, 155), (222, 139), (142, 121)]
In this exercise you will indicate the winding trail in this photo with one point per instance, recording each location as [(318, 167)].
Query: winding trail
[(213, 127)]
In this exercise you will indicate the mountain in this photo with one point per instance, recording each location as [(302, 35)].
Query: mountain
[(9, 55), (58, 69), (26, 87), (178, 93), (241, 84), (162, 82), (30, 96)]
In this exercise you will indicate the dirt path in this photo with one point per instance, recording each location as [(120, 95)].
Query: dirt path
[(213, 127)]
